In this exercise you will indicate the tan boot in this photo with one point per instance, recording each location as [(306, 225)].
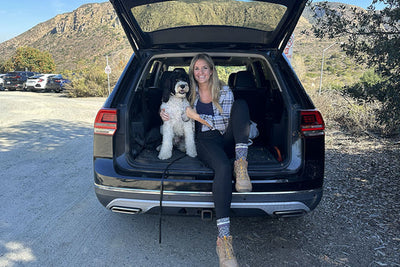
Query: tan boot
[(243, 183), (225, 252)]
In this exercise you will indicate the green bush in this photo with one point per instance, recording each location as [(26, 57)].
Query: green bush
[(88, 83), (365, 88)]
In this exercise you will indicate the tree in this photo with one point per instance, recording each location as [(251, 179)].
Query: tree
[(372, 37), (31, 59)]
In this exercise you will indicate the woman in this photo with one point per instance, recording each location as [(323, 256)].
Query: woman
[(222, 129)]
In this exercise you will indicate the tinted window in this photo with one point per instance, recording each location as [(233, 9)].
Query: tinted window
[(264, 16)]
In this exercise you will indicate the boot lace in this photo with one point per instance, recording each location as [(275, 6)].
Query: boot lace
[(241, 170), (228, 248)]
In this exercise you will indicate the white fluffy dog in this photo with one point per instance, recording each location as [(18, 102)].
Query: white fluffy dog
[(179, 126)]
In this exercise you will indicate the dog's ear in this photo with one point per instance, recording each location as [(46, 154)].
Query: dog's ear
[(165, 83), (166, 93)]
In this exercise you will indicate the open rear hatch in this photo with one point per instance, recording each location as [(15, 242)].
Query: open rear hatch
[(266, 24)]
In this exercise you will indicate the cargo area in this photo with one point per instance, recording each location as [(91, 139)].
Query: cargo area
[(248, 77)]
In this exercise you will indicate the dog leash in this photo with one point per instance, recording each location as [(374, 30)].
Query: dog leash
[(162, 193)]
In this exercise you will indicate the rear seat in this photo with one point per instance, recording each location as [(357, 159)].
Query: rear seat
[(262, 106), (244, 87)]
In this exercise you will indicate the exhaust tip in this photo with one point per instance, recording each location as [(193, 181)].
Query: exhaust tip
[(290, 213), (125, 210)]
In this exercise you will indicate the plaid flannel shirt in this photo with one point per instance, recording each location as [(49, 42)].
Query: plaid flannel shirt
[(219, 121)]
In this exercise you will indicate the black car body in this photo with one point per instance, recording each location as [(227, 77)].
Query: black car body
[(286, 160), (17, 79)]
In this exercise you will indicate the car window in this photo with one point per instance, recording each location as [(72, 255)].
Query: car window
[(209, 12)]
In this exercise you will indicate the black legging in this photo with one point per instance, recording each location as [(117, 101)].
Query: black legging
[(215, 150)]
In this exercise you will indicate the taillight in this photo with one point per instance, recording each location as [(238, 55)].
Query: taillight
[(106, 122), (312, 123), (40, 80)]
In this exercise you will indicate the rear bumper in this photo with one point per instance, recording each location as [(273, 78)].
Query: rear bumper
[(127, 200)]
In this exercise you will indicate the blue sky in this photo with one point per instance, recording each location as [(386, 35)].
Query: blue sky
[(18, 16), (360, 3)]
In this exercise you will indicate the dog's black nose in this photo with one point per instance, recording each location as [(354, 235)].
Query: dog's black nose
[(182, 86)]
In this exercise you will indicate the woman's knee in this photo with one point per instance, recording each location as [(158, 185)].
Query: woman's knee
[(240, 104), (240, 108)]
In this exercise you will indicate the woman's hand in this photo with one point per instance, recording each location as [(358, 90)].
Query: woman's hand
[(164, 115)]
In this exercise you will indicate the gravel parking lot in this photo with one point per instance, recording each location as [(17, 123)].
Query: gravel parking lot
[(49, 215)]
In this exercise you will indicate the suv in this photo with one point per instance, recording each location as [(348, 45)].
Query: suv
[(17, 79), (286, 160)]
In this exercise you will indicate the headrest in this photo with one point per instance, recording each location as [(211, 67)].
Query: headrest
[(164, 77), (231, 79), (244, 79)]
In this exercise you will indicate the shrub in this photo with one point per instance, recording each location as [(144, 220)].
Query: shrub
[(353, 116), (88, 83), (365, 88), (373, 88)]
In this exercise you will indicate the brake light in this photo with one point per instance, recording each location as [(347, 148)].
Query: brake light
[(40, 80), (312, 123), (106, 122)]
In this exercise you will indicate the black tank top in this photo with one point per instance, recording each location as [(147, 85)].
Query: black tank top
[(206, 109)]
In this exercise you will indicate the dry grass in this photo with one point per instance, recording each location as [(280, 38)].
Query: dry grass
[(355, 117)]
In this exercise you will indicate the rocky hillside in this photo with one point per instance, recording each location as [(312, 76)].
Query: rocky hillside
[(80, 37)]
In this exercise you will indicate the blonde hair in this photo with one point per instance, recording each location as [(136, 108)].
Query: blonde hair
[(214, 82)]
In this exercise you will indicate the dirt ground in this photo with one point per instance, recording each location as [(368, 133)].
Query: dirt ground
[(49, 215), (357, 222)]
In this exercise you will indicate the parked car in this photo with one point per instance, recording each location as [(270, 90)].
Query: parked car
[(17, 80), (38, 82), (2, 82), (57, 83), (286, 161)]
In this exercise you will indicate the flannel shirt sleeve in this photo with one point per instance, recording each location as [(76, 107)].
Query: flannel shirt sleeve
[(220, 120)]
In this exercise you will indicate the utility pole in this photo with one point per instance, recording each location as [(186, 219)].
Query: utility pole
[(107, 70), (322, 66)]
